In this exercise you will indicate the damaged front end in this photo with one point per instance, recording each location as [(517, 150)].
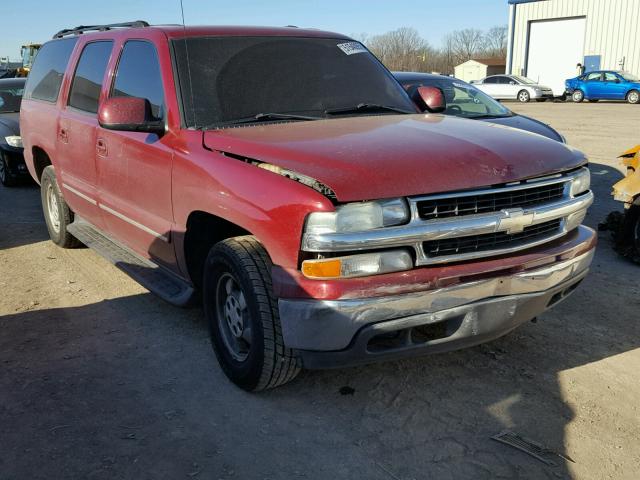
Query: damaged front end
[(626, 227)]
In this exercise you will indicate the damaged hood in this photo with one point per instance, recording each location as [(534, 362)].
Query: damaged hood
[(372, 157)]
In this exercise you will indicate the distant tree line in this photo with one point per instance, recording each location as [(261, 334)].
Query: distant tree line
[(404, 48)]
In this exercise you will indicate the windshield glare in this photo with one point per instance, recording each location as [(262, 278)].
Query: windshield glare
[(10, 99), (464, 100), (629, 77), (240, 77)]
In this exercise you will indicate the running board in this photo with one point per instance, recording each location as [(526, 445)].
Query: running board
[(150, 275)]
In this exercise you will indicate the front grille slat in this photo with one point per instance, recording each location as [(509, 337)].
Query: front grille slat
[(490, 241), (432, 209)]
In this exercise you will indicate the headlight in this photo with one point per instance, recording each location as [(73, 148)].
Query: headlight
[(14, 141), (581, 182), (358, 265), (358, 217)]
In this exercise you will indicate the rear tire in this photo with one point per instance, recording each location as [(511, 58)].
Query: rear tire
[(6, 178), (523, 96), (577, 96), (243, 316), (57, 214), (633, 97)]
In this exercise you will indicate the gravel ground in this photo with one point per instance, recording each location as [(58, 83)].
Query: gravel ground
[(101, 380)]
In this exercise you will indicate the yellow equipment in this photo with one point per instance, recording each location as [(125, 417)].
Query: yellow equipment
[(627, 191), (28, 54)]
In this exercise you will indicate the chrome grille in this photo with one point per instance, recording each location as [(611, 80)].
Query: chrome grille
[(431, 209), (490, 241)]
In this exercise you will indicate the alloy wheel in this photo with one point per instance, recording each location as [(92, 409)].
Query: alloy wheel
[(634, 97)]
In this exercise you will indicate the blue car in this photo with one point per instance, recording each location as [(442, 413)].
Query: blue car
[(604, 85)]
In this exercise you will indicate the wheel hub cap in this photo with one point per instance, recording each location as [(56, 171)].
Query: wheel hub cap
[(52, 203), (233, 317)]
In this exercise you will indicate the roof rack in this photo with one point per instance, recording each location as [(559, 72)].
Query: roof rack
[(99, 28)]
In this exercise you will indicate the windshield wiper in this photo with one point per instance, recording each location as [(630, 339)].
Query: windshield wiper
[(262, 117), (365, 107)]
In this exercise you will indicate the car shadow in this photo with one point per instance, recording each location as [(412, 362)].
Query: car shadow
[(129, 387), (21, 222)]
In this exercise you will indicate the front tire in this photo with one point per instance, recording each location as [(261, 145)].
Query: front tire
[(57, 214), (633, 97), (523, 96), (6, 178), (577, 96), (243, 316)]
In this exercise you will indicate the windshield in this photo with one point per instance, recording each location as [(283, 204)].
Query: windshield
[(10, 98), (464, 100), (236, 78), (524, 80), (629, 77)]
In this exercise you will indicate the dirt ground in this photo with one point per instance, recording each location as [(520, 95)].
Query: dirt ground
[(101, 380)]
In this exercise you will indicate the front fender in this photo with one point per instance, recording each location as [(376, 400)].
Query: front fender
[(271, 207)]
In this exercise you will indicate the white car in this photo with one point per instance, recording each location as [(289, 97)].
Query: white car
[(513, 87)]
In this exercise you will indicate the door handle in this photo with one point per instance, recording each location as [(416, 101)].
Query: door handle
[(101, 147), (64, 136)]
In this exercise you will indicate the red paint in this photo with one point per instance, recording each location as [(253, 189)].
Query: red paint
[(159, 181), (123, 111), (433, 98)]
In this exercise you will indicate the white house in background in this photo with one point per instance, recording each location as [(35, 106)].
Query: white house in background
[(478, 68), (548, 38)]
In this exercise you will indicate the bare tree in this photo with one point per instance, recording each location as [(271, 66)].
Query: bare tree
[(402, 49), (495, 42), (405, 50), (467, 43)]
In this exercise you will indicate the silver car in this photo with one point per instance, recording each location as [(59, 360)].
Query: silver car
[(513, 87)]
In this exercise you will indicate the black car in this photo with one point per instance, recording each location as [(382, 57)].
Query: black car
[(465, 100), (12, 166)]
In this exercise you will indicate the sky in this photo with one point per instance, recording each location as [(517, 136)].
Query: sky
[(40, 19)]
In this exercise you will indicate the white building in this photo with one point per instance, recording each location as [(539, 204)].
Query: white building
[(548, 38), (478, 68)]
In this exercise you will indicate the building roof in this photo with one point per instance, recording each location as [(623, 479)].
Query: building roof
[(491, 62)]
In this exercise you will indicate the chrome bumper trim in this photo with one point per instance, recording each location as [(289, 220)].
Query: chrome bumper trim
[(331, 324), (416, 232)]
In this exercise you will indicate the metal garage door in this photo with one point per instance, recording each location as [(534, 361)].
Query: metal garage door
[(555, 47)]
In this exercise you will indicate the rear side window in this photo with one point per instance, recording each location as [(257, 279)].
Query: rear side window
[(491, 80), (87, 81), (138, 75), (48, 69)]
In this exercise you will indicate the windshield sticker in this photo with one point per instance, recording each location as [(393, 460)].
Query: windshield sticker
[(352, 47)]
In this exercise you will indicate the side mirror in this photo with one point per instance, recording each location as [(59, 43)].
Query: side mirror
[(129, 114), (430, 99)]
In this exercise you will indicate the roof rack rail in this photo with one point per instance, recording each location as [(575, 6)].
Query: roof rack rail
[(100, 28)]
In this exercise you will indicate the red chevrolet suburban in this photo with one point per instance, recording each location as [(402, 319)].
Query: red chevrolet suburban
[(285, 178)]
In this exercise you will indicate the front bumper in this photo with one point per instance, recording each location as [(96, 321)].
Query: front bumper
[(14, 156), (544, 94), (335, 333)]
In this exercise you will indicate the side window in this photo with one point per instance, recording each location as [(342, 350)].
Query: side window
[(48, 69), (504, 80), (139, 75), (593, 77), (610, 77), (491, 80), (87, 81)]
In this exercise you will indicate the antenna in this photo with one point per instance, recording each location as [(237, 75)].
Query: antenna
[(186, 49)]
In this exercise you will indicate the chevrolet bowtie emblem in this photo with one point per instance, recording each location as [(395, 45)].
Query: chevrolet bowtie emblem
[(515, 220)]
